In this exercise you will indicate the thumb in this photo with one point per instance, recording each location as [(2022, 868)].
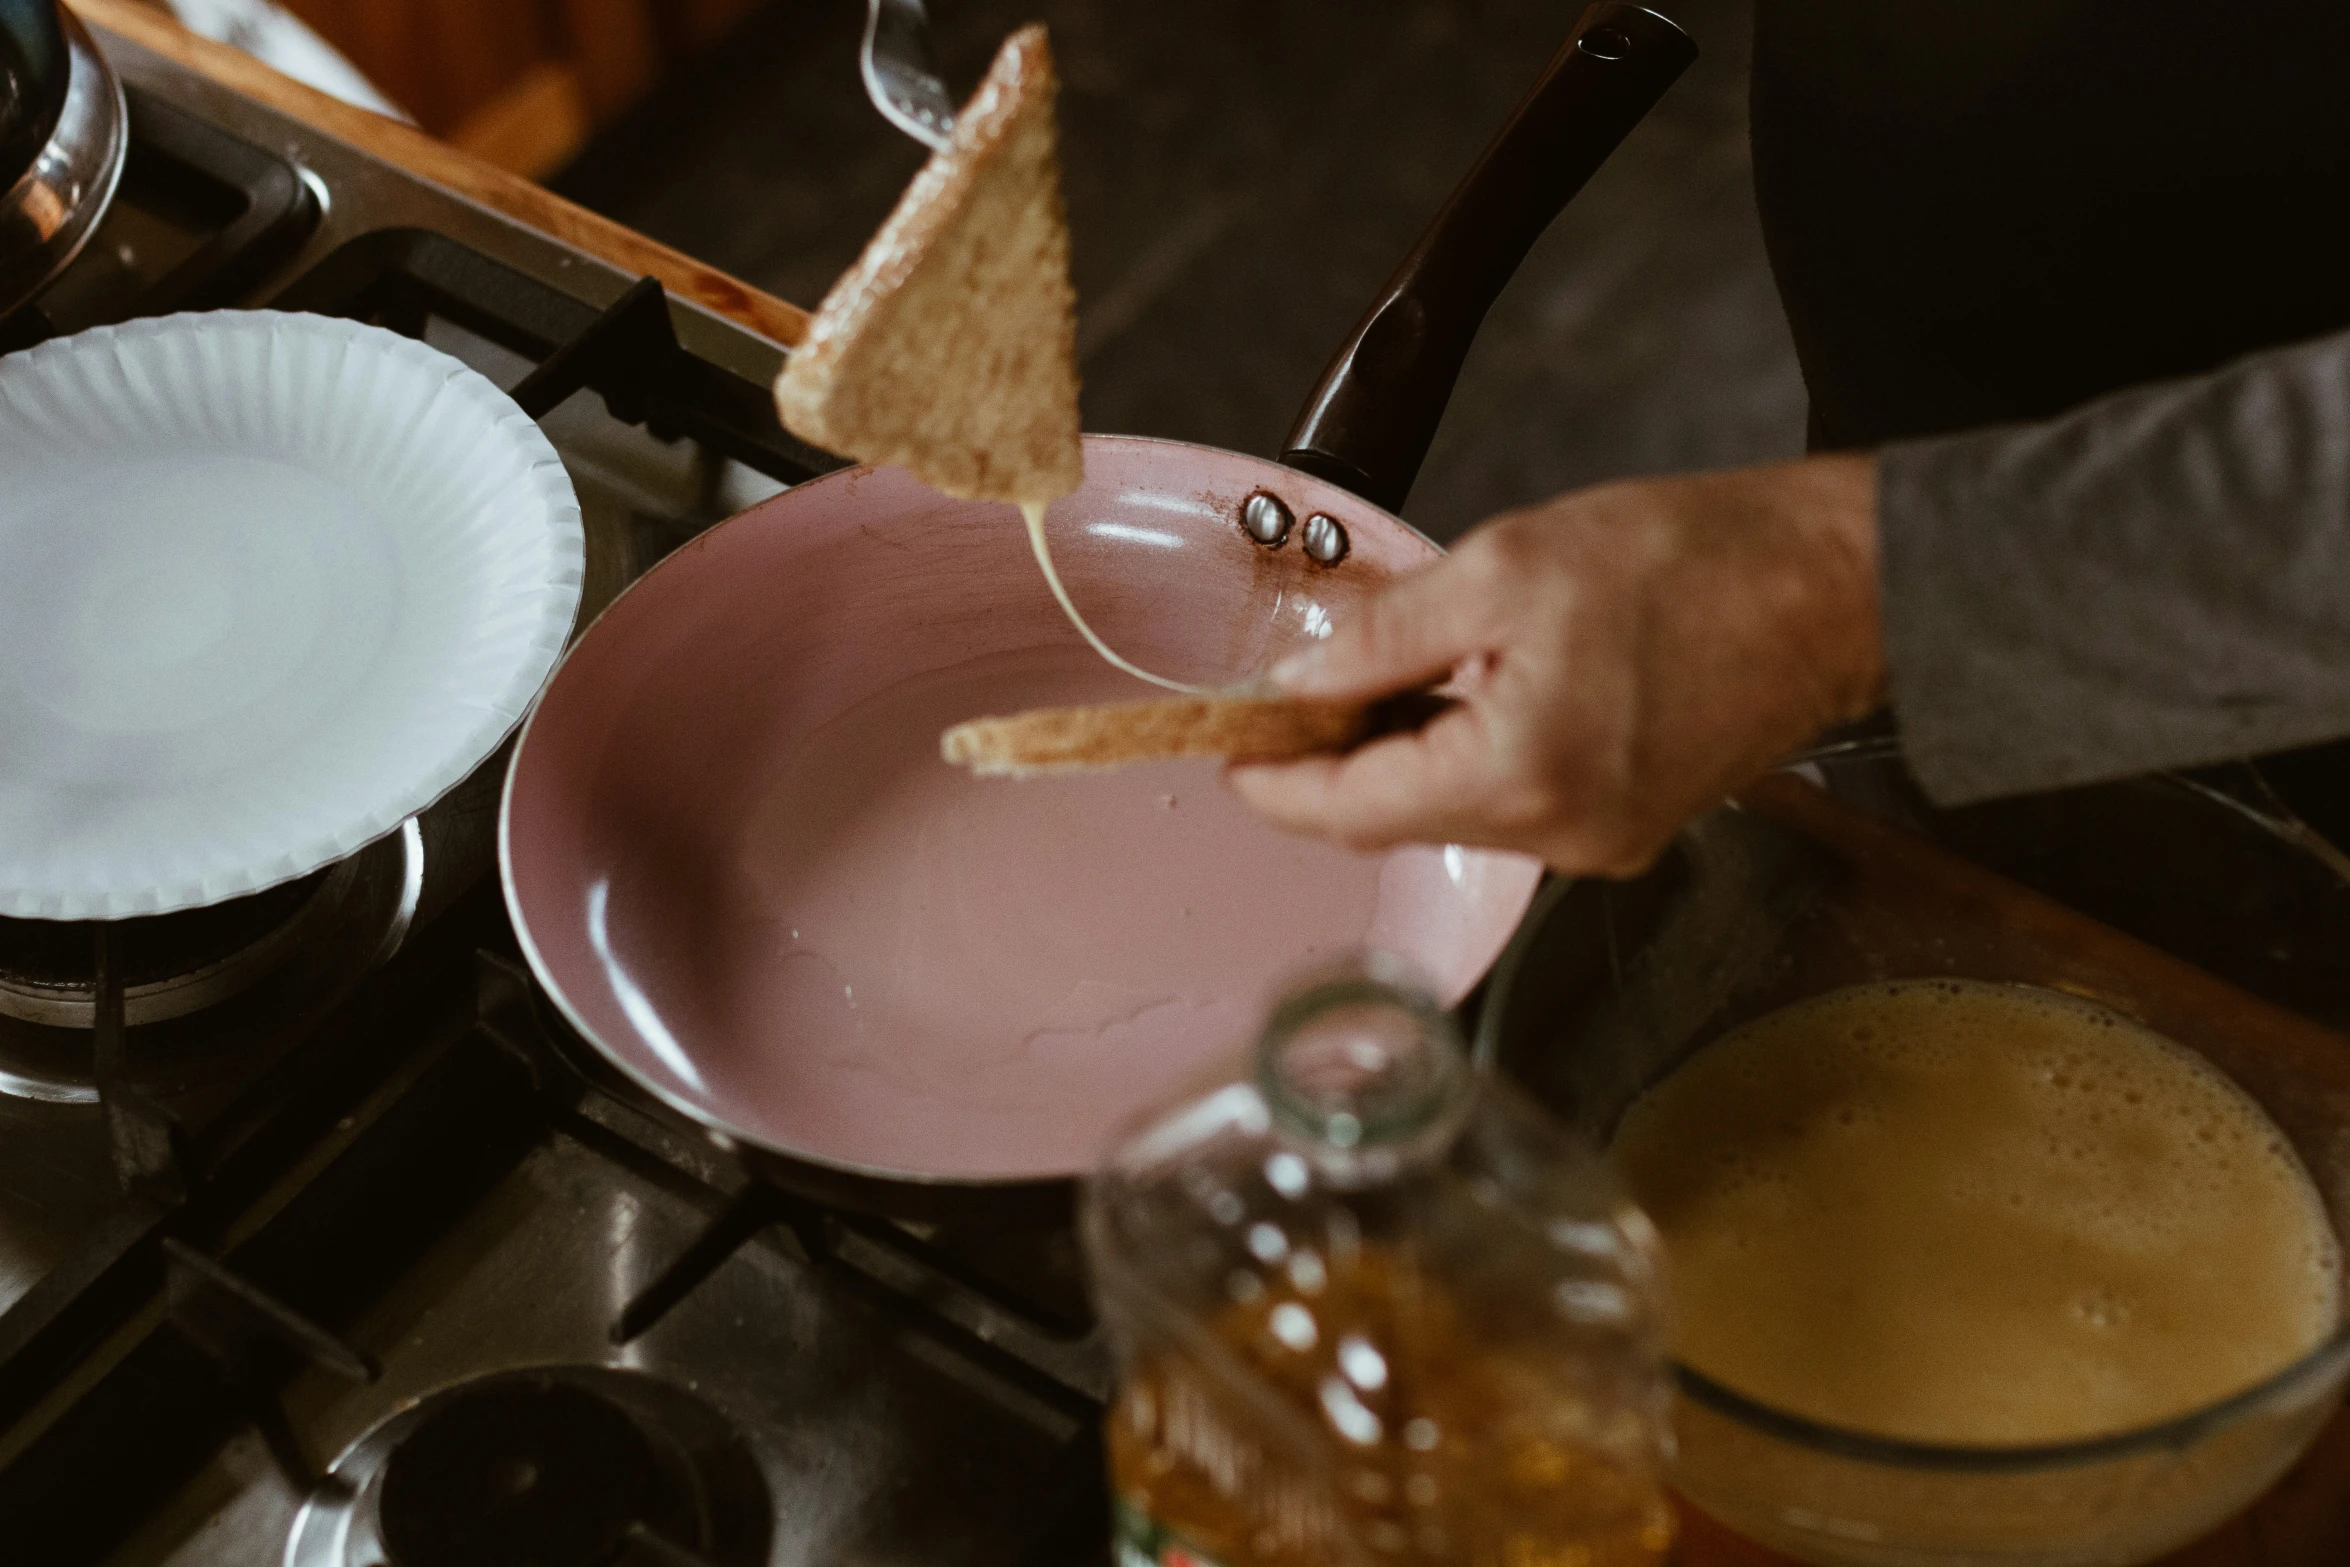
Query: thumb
[(1413, 632)]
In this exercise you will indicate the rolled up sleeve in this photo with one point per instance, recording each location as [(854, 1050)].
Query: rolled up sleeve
[(2160, 578)]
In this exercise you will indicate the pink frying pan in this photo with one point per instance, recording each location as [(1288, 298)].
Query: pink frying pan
[(739, 866)]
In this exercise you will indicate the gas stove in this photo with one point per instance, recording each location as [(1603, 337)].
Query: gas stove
[(321, 1240)]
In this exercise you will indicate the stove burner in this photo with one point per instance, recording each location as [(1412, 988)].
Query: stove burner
[(172, 964), (559, 1466), (213, 993), (525, 1475)]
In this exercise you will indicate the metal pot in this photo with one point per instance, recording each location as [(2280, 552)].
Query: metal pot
[(32, 80), (62, 138)]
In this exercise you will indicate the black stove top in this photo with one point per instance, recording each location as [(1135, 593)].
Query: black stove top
[(321, 1240)]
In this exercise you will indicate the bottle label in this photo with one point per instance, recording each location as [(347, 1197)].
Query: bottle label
[(1142, 1541)]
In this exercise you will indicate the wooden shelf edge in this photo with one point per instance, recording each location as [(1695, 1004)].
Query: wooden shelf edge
[(444, 165)]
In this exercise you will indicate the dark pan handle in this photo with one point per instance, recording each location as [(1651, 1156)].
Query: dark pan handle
[(1369, 422)]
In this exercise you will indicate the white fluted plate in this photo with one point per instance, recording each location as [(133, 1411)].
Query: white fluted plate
[(269, 584)]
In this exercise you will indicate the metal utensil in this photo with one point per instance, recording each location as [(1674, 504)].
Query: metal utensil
[(900, 75)]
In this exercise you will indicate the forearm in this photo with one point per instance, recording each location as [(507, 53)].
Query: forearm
[(2158, 579)]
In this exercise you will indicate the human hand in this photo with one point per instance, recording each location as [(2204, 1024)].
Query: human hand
[(1626, 657)]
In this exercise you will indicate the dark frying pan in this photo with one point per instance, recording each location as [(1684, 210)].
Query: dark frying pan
[(740, 869)]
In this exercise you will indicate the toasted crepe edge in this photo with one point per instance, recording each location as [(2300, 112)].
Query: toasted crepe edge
[(1074, 739), (1021, 81)]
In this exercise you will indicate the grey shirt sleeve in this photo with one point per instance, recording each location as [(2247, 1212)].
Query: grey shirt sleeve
[(2160, 578)]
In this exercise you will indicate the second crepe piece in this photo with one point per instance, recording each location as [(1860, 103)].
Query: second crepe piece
[(950, 348), (1252, 726), (1072, 739)]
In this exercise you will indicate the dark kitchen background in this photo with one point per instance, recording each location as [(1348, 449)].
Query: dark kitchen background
[(325, 1238), (1241, 174)]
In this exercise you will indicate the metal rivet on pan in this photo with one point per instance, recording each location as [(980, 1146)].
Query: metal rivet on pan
[(1325, 538), (1264, 519)]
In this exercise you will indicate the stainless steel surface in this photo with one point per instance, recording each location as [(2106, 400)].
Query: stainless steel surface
[(56, 1177), (1324, 538), (878, 1441), (1264, 519), (900, 77), (345, 1526), (53, 208)]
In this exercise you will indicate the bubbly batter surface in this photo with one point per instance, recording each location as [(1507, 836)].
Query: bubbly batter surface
[(1973, 1213)]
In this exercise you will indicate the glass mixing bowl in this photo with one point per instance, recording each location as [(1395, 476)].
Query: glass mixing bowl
[(2196, 904)]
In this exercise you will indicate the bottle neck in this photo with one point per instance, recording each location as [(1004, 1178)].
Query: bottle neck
[(1365, 1073)]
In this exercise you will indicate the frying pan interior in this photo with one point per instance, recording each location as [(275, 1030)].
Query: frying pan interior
[(743, 870), (739, 865)]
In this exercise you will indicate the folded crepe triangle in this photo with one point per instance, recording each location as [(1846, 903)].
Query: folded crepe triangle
[(950, 348)]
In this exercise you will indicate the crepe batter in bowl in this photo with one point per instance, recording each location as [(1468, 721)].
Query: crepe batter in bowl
[(1947, 1211)]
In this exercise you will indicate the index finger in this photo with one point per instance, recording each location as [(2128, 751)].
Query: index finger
[(1410, 633), (1419, 787)]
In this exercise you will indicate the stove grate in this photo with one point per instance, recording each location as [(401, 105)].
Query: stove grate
[(884, 1258), (250, 1335), (628, 352)]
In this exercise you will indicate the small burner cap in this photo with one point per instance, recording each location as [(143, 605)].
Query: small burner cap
[(521, 1475)]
